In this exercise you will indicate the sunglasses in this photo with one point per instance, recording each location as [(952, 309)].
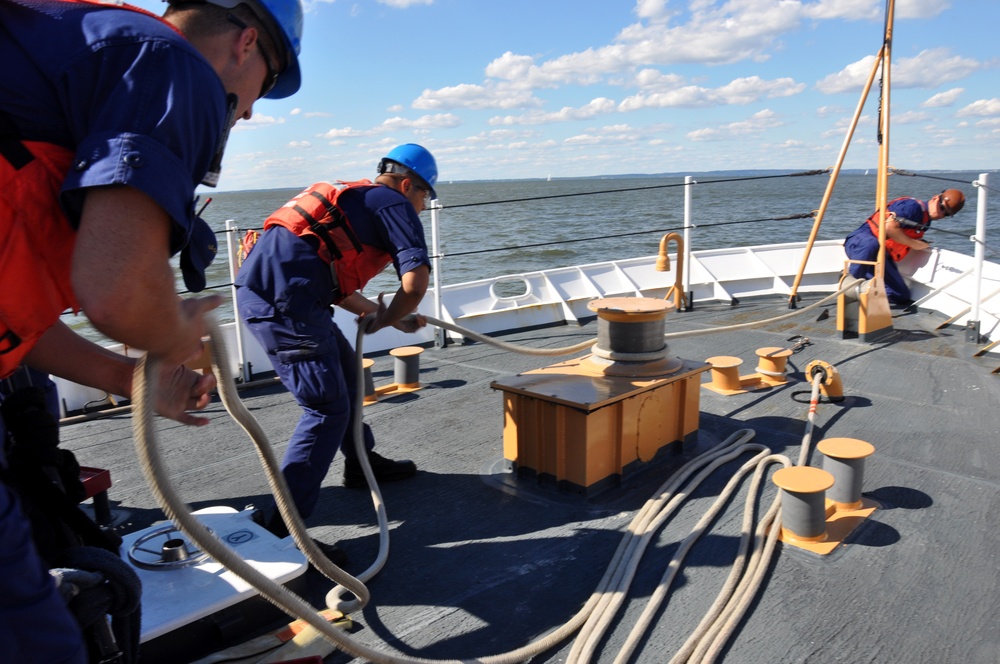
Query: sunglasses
[(943, 205), (272, 72)]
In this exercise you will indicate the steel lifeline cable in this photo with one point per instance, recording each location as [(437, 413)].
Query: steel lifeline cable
[(593, 619)]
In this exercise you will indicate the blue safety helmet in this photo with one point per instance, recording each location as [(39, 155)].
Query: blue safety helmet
[(283, 21), (412, 159)]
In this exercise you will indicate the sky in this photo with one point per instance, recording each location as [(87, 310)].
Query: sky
[(511, 89)]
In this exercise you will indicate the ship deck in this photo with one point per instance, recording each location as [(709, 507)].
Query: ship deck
[(480, 564)]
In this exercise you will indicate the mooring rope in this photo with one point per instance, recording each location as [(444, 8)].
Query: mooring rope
[(627, 189), (593, 619)]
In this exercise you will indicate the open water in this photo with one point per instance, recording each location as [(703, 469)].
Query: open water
[(504, 227)]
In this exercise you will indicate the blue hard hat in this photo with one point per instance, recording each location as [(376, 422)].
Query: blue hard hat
[(414, 159), (283, 21)]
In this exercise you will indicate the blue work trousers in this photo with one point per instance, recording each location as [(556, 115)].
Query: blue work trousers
[(35, 624), (320, 371), (862, 245)]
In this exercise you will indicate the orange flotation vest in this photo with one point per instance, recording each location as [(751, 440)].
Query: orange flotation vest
[(896, 250), (316, 212), (36, 245)]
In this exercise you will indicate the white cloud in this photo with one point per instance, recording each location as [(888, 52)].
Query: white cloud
[(653, 9), (933, 67), (930, 68), (654, 79), (256, 121), (981, 108), (738, 91), (910, 117), (845, 9), (946, 98), (423, 123), (713, 35), (404, 4), (620, 133), (824, 111), (853, 10), (301, 145), (758, 122), (474, 97), (599, 106)]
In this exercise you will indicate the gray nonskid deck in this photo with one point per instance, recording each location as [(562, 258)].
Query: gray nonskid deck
[(476, 569)]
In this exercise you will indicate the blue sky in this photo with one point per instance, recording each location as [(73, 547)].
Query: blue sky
[(526, 89)]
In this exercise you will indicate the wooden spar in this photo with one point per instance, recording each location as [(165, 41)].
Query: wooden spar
[(833, 177), (883, 165)]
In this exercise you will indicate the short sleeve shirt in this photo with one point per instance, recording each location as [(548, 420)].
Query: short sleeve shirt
[(137, 104), (285, 271)]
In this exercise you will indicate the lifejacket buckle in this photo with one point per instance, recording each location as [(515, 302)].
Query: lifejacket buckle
[(8, 342)]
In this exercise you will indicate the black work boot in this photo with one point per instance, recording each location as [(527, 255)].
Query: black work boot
[(385, 470)]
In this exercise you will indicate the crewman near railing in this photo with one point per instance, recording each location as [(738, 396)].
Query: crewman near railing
[(318, 250), (907, 219), (109, 118)]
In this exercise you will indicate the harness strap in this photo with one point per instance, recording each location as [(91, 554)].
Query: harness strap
[(320, 230), (322, 233), (338, 220)]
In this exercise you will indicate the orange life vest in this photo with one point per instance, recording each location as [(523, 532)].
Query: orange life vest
[(896, 250), (316, 212), (36, 246)]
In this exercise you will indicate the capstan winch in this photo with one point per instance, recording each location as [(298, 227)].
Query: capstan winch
[(586, 423)]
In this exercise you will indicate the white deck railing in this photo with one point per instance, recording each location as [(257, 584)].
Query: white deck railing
[(965, 289)]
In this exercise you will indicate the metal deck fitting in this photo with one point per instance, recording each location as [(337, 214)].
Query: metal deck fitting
[(726, 378), (803, 509), (587, 423), (771, 364), (406, 374)]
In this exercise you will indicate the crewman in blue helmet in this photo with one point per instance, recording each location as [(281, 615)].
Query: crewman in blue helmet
[(318, 250), (109, 118)]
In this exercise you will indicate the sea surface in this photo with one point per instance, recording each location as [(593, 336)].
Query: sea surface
[(494, 228)]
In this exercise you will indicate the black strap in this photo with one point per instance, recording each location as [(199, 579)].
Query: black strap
[(321, 231), (339, 221), (8, 342), (11, 147)]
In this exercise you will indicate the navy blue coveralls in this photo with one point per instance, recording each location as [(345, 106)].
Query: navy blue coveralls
[(862, 245), (284, 293)]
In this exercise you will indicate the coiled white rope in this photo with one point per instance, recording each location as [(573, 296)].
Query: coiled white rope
[(596, 614)]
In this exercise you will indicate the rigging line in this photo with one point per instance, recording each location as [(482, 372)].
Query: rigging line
[(899, 171), (616, 191), (970, 236), (617, 235), (819, 171)]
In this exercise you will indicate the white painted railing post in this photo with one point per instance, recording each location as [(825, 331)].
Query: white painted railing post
[(686, 278), (439, 334), (233, 247), (972, 328)]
